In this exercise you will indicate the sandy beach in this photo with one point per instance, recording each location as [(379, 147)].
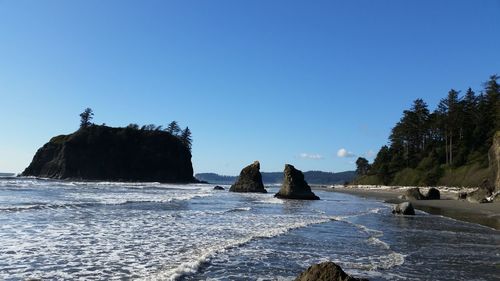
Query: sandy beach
[(487, 214)]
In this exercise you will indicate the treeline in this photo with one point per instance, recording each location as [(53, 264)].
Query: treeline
[(424, 145), (312, 177), (173, 128)]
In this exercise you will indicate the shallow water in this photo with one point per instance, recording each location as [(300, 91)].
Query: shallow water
[(59, 230)]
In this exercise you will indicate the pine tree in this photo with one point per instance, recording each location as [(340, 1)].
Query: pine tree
[(173, 128), (85, 117), (186, 137)]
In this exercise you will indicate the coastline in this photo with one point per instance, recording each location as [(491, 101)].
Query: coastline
[(486, 214)]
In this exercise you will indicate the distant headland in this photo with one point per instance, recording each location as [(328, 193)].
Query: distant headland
[(132, 153)]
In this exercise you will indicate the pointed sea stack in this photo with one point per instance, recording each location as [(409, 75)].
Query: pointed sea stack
[(250, 180), (294, 186)]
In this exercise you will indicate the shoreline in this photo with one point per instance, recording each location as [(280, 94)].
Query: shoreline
[(486, 214)]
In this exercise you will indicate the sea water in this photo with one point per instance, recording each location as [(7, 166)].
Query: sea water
[(61, 230)]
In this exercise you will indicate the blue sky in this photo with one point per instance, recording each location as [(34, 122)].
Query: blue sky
[(275, 81)]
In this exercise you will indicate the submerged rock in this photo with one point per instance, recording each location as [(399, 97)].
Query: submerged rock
[(218, 187), (405, 208), (250, 180), (326, 271), (433, 194), (294, 186), (413, 194)]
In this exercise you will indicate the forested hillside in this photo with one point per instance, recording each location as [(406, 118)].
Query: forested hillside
[(448, 146)]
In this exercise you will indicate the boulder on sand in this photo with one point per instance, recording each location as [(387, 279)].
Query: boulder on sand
[(326, 271), (250, 180), (294, 186), (413, 194), (405, 208), (433, 194)]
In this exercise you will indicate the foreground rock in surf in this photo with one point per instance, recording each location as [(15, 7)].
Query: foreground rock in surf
[(405, 208), (294, 186), (326, 271), (218, 187), (114, 154), (250, 180)]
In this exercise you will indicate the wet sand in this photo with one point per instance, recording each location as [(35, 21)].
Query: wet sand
[(487, 214)]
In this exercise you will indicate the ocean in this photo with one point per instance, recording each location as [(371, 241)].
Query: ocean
[(62, 230)]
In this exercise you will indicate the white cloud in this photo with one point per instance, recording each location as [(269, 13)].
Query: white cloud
[(343, 153), (311, 156)]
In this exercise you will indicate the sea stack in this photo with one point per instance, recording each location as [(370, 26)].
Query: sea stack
[(326, 271), (103, 153), (250, 180), (294, 186)]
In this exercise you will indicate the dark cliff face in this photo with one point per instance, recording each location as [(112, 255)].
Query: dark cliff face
[(114, 154)]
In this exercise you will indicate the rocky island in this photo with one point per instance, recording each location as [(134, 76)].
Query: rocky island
[(99, 152)]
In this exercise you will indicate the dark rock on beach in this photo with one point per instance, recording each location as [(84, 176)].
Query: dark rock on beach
[(114, 154), (250, 180), (405, 208), (479, 195), (326, 271), (218, 187), (413, 194), (433, 194), (294, 186)]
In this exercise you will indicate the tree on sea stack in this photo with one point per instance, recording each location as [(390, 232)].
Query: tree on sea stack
[(173, 128), (85, 117), (186, 137)]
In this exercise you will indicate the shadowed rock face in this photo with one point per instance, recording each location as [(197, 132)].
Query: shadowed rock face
[(250, 180), (113, 154), (294, 186), (326, 271)]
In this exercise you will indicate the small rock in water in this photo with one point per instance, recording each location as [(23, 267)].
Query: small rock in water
[(218, 187), (433, 194), (405, 208), (326, 271)]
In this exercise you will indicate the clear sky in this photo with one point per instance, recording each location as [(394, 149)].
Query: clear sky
[(275, 81)]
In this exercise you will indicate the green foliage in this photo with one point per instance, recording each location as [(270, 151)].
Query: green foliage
[(186, 137), (85, 117), (173, 128), (424, 147), (362, 166)]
